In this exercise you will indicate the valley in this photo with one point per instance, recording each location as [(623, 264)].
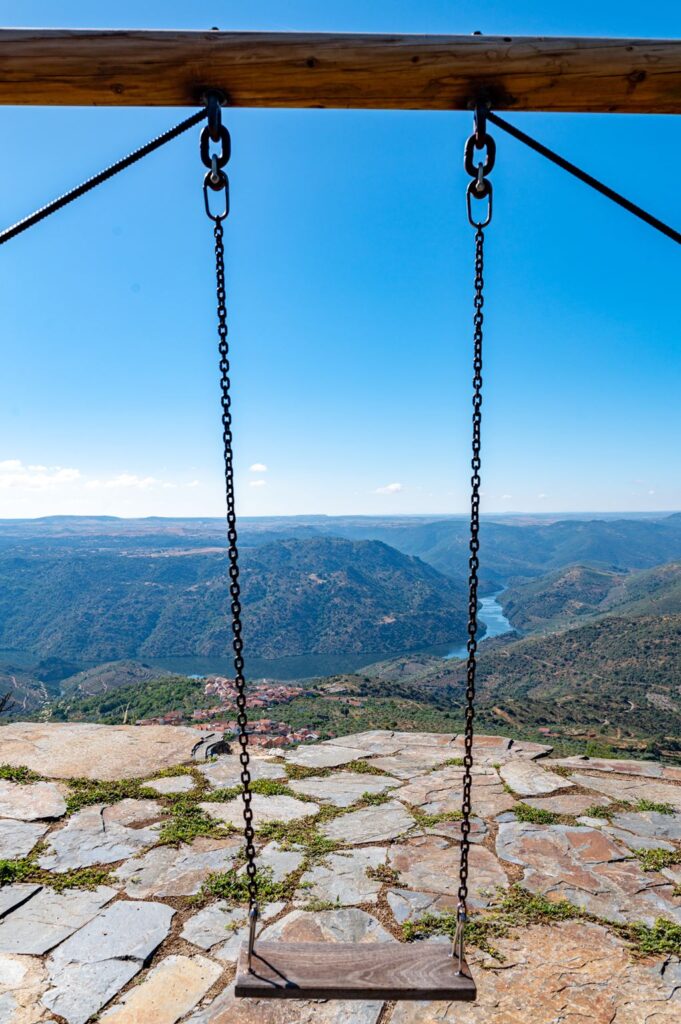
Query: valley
[(112, 620)]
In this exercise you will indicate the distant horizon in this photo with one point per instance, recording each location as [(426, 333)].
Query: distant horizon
[(618, 513)]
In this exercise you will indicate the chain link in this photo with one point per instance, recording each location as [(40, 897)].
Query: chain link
[(478, 140), (473, 566), (233, 549)]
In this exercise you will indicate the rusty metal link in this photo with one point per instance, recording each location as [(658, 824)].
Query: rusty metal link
[(233, 551)]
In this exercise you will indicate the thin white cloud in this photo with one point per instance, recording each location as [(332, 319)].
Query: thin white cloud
[(258, 467), (389, 489), (257, 483), (651, 492), (192, 483), (505, 497), (14, 474), (542, 496), (127, 481)]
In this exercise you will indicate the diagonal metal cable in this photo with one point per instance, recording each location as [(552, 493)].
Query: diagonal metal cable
[(98, 179), (588, 179)]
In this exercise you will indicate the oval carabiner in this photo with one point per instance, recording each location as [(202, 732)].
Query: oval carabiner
[(209, 186)]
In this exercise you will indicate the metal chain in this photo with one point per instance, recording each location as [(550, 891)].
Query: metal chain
[(227, 438), (479, 189)]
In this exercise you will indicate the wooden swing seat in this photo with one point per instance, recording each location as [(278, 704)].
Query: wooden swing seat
[(344, 970)]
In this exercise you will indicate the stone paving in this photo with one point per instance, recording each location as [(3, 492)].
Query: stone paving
[(108, 914)]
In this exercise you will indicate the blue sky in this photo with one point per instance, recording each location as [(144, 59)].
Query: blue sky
[(350, 267)]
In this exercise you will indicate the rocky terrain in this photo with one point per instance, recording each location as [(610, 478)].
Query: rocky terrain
[(122, 895)]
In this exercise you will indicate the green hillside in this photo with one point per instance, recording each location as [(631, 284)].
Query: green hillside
[(320, 596), (576, 592)]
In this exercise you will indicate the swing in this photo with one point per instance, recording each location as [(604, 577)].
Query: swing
[(382, 970)]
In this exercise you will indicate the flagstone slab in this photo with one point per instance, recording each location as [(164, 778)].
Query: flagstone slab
[(226, 1009), (587, 867), (411, 761), (69, 750), (646, 769), (526, 778), (30, 802), (12, 896), (22, 982), (277, 862), (407, 905), (452, 830), (342, 788), (226, 771), (17, 838), (343, 878), (347, 925), (49, 917), (621, 787), (651, 824), (430, 864), (170, 990), (265, 808), (219, 921), (441, 792), (373, 741), (171, 784), (569, 973), (93, 965), (177, 871), (630, 839), (567, 803), (86, 839), (132, 812), (370, 825), (322, 756)]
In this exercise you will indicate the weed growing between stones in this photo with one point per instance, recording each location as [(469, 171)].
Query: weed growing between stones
[(315, 906), (534, 815), (650, 805), (233, 887), (13, 773), (655, 860), (298, 771), (300, 834), (383, 873), (188, 821), (518, 908), (429, 820), (453, 762), (27, 870), (266, 787), (362, 767), (85, 792), (373, 799)]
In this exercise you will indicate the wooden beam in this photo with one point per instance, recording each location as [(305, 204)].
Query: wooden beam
[(265, 69)]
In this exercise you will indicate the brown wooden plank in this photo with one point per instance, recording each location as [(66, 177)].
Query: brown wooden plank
[(407, 72), (329, 970)]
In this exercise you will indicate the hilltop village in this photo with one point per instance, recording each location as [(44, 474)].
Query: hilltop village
[(264, 732)]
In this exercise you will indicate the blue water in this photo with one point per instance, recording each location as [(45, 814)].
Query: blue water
[(496, 624)]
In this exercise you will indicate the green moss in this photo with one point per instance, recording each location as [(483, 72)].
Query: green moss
[(454, 761), (524, 812), (655, 860), (650, 805), (301, 834), (18, 773)]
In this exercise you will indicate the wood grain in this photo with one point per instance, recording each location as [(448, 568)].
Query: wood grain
[(265, 69), (380, 970)]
